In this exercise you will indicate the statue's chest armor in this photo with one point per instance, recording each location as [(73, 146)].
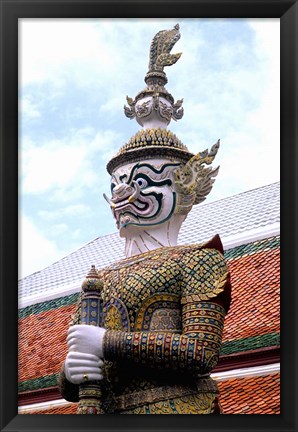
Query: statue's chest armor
[(143, 294)]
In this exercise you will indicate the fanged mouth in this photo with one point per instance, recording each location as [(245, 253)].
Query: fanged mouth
[(139, 205)]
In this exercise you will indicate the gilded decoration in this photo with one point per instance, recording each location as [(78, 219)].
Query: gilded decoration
[(194, 179), (147, 143)]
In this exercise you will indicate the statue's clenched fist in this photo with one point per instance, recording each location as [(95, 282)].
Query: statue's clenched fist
[(86, 339), (85, 350), (81, 367)]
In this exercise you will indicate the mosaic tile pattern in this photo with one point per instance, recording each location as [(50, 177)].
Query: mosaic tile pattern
[(237, 214), (252, 395), (237, 252), (257, 342)]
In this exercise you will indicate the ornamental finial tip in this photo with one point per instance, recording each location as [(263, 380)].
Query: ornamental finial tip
[(154, 107)]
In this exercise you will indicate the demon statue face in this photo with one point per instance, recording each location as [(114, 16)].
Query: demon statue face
[(143, 193), (156, 194)]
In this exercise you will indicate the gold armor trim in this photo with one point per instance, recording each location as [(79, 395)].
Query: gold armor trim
[(147, 306), (218, 287), (190, 404), (206, 386)]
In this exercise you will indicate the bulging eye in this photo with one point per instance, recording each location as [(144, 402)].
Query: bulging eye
[(142, 183)]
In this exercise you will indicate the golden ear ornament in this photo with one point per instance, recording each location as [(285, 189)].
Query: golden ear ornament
[(194, 180)]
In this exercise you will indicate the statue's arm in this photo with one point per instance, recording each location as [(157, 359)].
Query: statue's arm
[(197, 347)]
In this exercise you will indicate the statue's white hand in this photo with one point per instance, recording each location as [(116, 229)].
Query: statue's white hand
[(86, 339), (81, 367)]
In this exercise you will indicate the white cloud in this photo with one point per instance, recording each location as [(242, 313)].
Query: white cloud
[(83, 50), (57, 229), (267, 38), (54, 164), (64, 166), (36, 251), (59, 213), (266, 119), (50, 46), (29, 109)]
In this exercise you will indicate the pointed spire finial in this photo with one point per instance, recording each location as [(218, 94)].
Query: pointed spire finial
[(160, 54), (154, 107), (92, 282)]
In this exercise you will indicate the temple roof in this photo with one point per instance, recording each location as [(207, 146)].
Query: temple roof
[(237, 219)]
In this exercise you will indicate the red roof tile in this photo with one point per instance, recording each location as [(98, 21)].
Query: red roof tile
[(253, 395), (42, 342), (71, 408), (255, 296)]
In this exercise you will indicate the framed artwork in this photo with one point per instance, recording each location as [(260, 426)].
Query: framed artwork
[(12, 16)]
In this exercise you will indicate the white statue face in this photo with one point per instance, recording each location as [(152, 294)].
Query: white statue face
[(143, 193)]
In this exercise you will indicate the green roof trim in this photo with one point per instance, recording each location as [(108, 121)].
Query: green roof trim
[(251, 248), (38, 383), (237, 252), (256, 342), (48, 305), (250, 343)]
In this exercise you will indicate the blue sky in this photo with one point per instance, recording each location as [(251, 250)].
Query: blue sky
[(74, 76)]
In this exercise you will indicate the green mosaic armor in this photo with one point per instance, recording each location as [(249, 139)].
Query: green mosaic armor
[(164, 314)]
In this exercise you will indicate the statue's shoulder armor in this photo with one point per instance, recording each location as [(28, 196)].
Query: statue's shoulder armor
[(204, 272)]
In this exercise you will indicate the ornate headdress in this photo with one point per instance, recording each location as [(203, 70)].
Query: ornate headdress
[(153, 108)]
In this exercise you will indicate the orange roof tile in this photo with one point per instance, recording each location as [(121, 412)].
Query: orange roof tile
[(253, 395), (42, 342), (70, 408), (255, 296)]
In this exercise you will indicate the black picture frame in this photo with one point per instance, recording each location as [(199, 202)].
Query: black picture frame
[(11, 11)]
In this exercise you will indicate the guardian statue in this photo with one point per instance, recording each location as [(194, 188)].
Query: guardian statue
[(147, 331)]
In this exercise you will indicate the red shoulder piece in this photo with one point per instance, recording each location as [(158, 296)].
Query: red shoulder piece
[(224, 298), (214, 243)]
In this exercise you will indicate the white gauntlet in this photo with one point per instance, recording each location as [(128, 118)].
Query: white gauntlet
[(81, 367), (85, 350)]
